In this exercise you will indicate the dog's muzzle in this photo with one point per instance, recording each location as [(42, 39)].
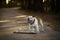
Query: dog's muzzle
[(31, 21)]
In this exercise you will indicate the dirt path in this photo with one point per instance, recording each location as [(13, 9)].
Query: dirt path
[(12, 21)]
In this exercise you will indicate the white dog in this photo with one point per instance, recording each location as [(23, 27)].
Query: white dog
[(34, 23)]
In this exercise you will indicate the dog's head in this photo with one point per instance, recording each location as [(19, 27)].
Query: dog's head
[(31, 19)]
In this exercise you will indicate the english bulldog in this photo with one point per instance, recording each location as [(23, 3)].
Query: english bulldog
[(35, 24)]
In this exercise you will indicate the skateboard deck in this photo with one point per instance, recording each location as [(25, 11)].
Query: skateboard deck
[(25, 32)]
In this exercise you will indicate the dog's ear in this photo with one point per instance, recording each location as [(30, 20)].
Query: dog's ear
[(33, 16)]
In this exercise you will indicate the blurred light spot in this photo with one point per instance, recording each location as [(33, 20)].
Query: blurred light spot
[(7, 1), (44, 1)]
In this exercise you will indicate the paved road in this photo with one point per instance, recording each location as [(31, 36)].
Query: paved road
[(12, 21)]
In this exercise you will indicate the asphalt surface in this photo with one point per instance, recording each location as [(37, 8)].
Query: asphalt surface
[(12, 21)]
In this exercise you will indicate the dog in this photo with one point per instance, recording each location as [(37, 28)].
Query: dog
[(34, 22)]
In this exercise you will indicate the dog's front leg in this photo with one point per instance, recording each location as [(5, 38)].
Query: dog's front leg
[(29, 26), (37, 28)]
